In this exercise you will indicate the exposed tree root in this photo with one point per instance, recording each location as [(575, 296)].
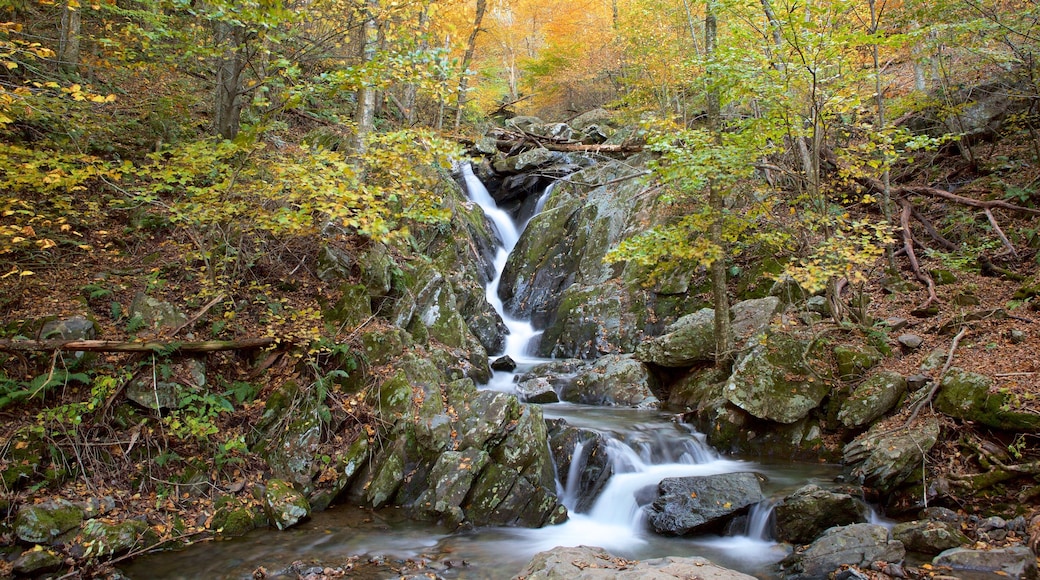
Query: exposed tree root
[(908, 247)]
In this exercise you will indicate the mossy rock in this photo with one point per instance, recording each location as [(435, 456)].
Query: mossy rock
[(236, 518), (872, 399), (26, 457), (285, 506), (37, 560), (969, 396), (100, 538), (782, 378), (43, 523), (855, 360), (758, 281), (352, 309)]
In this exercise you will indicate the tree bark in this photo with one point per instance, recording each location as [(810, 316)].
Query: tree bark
[(467, 58), (228, 98), (722, 328), (68, 42), (365, 114)]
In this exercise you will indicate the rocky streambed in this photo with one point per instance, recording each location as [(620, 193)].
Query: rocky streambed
[(607, 426)]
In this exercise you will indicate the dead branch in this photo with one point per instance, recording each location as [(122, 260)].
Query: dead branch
[(908, 246), (937, 381), (198, 315), (121, 346), (929, 229)]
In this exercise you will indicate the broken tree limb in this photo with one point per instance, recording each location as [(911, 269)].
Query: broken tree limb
[(122, 346), (915, 266)]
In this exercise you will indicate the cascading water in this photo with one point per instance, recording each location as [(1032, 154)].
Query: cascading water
[(615, 520)]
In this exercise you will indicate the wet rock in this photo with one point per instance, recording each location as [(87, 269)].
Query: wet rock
[(285, 506), (581, 454), (862, 545), (808, 512), (538, 391), (589, 563), (929, 537), (451, 479), (968, 395), (612, 380), (42, 523), (689, 504), (179, 377), (884, 459), (503, 363), (781, 378), (872, 399), (1018, 562), (910, 341)]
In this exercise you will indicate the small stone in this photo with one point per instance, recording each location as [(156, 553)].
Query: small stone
[(910, 341), (1017, 336), (896, 323), (966, 299), (914, 382)]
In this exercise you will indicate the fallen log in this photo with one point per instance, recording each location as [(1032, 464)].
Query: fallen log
[(123, 346)]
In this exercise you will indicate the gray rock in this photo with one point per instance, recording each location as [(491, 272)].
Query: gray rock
[(333, 263), (503, 363), (285, 506), (1018, 563), (593, 117), (612, 380), (819, 305), (73, 328), (589, 563), (808, 512), (896, 323), (855, 361), (450, 481), (872, 399), (155, 314), (175, 379), (860, 545), (778, 380), (689, 504), (884, 460), (1017, 336), (929, 537), (539, 391), (910, 341), (104, 539)]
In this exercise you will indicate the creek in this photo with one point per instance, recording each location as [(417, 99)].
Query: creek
[(644, 446)]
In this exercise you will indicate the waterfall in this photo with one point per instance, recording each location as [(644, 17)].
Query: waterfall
[(639, 455), (521, 332)]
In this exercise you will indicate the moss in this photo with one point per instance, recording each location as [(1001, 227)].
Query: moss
[(967, 396), (42, 523), (352, 309), (854, 361)]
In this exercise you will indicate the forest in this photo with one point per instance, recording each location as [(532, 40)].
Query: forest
[(241, 273)]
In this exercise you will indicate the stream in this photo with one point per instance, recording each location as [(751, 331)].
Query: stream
[(644, 447)]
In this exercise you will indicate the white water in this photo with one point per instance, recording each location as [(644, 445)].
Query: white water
[(615, 521)]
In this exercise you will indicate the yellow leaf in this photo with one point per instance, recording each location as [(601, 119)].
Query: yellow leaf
[(11, 65), (26, 273)]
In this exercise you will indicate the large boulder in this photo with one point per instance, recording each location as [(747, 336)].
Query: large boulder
[(588, 563), (970, 396), (583, 463), (612, 380), (698, 503), (929, 537), (285, 506), (1018, 562), (884, 459), (808, 512), (780, 378), (872, 399), (862, 545)]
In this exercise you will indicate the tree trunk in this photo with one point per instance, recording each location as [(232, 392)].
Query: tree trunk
[(411, 90), (471, 45), (722, 329), (228, 98), (365, 115), (68, 43)]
